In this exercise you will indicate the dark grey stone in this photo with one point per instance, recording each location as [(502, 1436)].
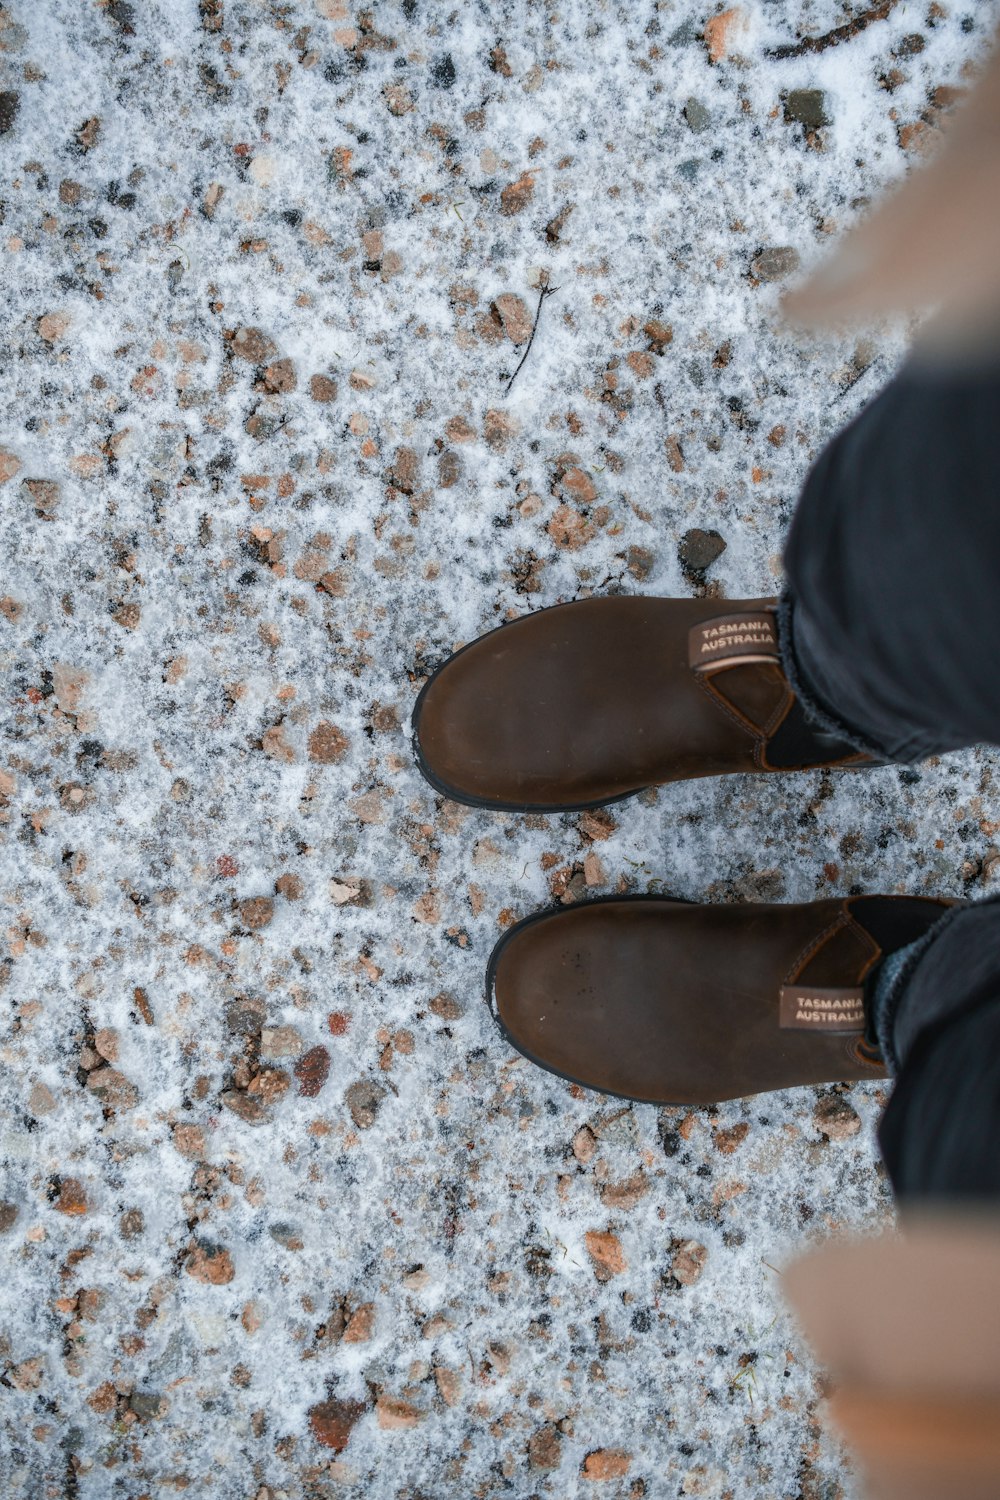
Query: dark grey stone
[(10, 103), (806, 107), (245, 1017), (698, 549), (147, 1405), (697, 116), (288, 1235)]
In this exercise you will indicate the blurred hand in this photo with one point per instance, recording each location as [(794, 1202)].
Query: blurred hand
[(933, 244), (908, 1325)]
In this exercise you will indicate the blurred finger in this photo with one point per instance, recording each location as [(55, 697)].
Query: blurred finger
[(934, 242)]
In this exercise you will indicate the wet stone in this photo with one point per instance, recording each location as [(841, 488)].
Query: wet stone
[(131, 1224), (247, 1107), (147, 1405), (445, 1007), (659, 335), (113, 1089), (256, 912), (836, 1118), (288, 1235), (364, 1099), (639, 561), (68, 1195), (41, 1100), (333, 1421), (254, 345), (699, 549), (9, 465), (443, 72), (210, 1264), (545, 1447), (910, 45), (697, 116), (245, 1017), (515, 316), (10, 103), (606, 1254), (42, 495), (774, 263), (322, 389), (88, 135), (280, 377), (606, 1463), (688, 1262), (449, 469), (361, 1324), (280, 1041), (517, 195), (327, 744), (312, 1071), (290, 886), (806, 107)]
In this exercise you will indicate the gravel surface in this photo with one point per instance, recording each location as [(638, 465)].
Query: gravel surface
[(281, 1214)]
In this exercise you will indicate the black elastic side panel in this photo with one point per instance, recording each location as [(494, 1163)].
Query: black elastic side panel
[(894, 921), (796, 743)]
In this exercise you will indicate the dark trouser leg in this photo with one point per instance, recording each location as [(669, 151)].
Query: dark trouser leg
[(889, 633), (892, 617), (936, 1011)]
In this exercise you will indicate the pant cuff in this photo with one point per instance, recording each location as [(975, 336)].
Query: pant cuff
[(817, 712), (890, 987)]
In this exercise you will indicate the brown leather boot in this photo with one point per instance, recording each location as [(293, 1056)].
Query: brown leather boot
[(668, 1002), (590, 702)]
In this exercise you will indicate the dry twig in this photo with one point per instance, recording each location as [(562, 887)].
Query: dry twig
[(546, 291)]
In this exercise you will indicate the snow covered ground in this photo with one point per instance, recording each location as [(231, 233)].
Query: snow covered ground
[(281, 1214)]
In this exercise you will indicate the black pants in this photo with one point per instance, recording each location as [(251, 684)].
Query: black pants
[(889, 629)]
